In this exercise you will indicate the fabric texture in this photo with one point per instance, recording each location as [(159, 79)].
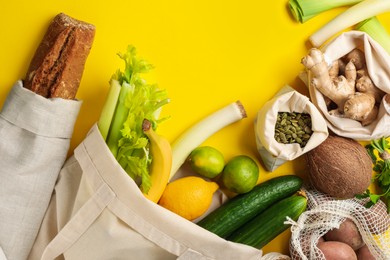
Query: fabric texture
[(34, 140), (98, 212), (378, 67), (273, 153)]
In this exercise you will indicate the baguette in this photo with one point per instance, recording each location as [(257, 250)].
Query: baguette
[(57, 66)]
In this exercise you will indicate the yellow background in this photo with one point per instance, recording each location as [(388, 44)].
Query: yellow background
[(206, 53)]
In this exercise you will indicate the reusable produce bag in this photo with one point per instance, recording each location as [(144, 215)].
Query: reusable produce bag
[(34, 139), (98, 212), (378, 67), (273, 153), (325, 213)]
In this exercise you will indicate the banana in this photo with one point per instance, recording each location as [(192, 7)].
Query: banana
[(160, 168)]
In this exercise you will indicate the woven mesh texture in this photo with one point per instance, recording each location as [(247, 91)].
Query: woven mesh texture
[(325, 213)]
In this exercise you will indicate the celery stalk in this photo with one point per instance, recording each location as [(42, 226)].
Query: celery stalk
[(303, 10), (108, 110), (119, 118), (375, 29), (137, 100), (350, 17)]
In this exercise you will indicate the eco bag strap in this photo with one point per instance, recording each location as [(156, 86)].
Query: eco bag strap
[(190, 254), (79, 223), (2, 255), (146, 228)]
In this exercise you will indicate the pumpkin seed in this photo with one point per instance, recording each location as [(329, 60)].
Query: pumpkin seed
[(292, 127)]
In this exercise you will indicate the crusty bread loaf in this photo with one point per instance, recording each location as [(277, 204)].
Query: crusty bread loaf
[(58, 64)]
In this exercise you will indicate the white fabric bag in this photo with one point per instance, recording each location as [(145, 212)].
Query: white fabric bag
[(98, 212), (34, 139), (273, 153), (378, 67)]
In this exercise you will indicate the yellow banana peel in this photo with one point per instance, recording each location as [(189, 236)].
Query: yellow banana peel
[(160, 167)]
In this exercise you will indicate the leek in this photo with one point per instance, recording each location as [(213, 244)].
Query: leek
[(200, 131), (353, 15), (303, 10), (376, 30)]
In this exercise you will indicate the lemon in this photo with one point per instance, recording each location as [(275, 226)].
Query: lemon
[(240, 174), (207, 161), (189, 197)]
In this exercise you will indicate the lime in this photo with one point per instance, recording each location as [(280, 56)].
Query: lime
[(240, 174), (207, 161)]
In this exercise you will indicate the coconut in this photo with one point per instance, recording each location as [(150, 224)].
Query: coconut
[(340, 167)]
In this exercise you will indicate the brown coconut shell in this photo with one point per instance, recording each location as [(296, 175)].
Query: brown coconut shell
[(340, 167)]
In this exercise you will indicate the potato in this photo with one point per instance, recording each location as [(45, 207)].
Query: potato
[(364, 253), (305, 242), (335, 250), (347, 233)]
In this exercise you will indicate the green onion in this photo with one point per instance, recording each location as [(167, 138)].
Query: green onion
[(303, 10), (376, 30), (350, 17)]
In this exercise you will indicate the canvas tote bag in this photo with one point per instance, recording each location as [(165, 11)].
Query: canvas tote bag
[(35, 134), (98, 212)]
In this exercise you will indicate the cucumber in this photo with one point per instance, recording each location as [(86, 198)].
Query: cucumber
[(270, 223), (240, 209)]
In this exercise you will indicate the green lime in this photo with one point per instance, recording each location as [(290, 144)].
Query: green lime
[(207, 161), (240, 174)]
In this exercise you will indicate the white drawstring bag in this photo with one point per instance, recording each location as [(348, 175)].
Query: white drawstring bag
[(273, 153), (98, 212), (378, 68)]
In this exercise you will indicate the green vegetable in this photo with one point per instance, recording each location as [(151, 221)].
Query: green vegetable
[(131, 100), (376, 30), (303, 10), (109, 108), (118, 120), (353, 15), (379, 152), (236, 212), (195, 135), (266, 226)]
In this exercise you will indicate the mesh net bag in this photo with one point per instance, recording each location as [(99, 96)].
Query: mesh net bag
[(325, 213)]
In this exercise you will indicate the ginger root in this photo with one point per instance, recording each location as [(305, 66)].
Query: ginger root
[(364, 84), (346, 83), (357, 57)]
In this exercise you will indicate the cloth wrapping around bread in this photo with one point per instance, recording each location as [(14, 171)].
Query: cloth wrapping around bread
[(35, 136)]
